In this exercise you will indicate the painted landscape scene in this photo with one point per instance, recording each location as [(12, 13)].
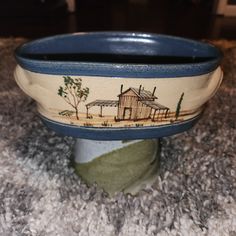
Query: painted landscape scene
[(133, 107)]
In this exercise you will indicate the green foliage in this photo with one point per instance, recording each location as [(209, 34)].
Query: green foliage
[(74, 86), (178, 108), (73, 92), (66, 113), (61, 92)]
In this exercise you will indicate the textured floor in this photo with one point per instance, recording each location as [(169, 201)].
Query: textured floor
[(41, 195)]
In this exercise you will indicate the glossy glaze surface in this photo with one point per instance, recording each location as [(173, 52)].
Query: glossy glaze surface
[(115, 85), (122, 54)]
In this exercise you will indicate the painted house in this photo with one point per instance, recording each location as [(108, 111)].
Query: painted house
[(133, 104), (139, 104)]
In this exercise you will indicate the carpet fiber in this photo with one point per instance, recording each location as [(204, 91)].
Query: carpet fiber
[(40, 194)]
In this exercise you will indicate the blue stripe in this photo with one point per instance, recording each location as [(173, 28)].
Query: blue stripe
[(119, 133), (118, 43)]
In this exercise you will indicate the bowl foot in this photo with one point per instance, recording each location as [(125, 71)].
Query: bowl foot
[(117, 166)]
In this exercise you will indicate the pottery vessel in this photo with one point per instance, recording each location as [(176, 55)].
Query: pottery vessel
[(118, 86)]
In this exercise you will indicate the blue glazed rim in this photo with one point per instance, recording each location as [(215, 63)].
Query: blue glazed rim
[(107, 134), (116, 43)]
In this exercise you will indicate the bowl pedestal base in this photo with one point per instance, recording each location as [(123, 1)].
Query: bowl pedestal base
[(124, 165)]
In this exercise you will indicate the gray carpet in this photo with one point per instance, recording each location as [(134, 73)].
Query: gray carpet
[(41, 195)]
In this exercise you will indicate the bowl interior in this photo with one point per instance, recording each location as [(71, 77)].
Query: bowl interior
[(118, 47)]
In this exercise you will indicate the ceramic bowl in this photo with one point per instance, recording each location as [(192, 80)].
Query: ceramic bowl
[(128, 88), (118, 85)]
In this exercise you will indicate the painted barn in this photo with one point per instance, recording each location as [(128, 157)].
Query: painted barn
[(133, 104), (139, 104)]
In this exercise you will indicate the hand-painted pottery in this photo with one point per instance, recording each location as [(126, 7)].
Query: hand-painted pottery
[(118, 86)]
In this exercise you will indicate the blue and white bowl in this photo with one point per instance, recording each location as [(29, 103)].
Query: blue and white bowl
[(116, 85)]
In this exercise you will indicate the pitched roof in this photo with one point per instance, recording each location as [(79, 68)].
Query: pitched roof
[(141, 93)]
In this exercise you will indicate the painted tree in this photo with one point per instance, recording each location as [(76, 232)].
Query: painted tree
[(73, 93), (178, 108)]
